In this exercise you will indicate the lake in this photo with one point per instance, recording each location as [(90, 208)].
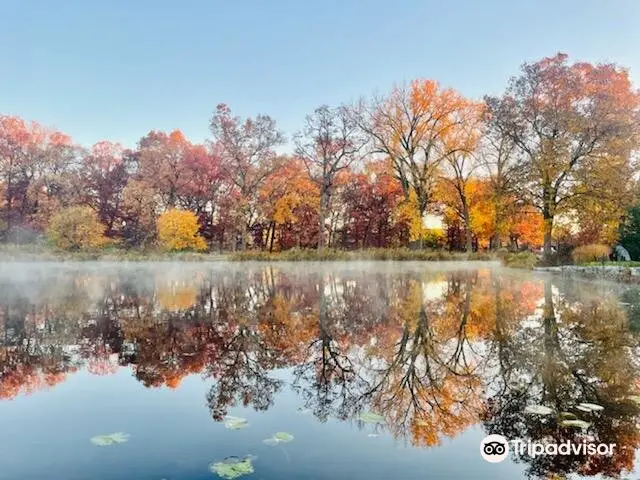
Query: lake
[(312, 371)]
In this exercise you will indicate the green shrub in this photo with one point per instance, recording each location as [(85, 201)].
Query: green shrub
[(525, 260), (591, 253)]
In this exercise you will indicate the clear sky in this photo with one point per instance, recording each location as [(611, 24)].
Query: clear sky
[(115, 69)]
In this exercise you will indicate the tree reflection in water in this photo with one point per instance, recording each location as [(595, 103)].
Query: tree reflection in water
[(434, 353)]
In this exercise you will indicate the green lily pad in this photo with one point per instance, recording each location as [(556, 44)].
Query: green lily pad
[(567, 416), (591, 407), (110, 439), (370, 417), (235, 423), (233, 467), (575, 423), (538, 410), (277, 438)]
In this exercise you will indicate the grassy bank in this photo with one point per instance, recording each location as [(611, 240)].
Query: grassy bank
[(397, 254), (42, 252)]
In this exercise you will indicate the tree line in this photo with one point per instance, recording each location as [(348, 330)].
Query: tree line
[(551, 160)]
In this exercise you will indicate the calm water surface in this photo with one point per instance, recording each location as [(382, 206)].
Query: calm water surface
[(378, 370)]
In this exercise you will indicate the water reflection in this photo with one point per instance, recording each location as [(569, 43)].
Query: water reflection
[(435, 353)]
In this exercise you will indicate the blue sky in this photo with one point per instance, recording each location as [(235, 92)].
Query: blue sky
[(115, 69)]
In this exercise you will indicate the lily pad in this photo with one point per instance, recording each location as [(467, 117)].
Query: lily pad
[(370, 417), (591, 407), (568, 416), (110, 439), (538, 410), (279, 437), (235, 423), (233, 467), (575, 423)]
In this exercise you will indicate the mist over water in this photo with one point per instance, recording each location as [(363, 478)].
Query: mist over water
[(377, 369)]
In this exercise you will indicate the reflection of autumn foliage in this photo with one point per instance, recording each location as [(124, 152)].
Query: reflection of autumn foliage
[(429, 386), (433, 353), (103, 362), (167, 351), (18, 376), (287, 327), (176, 297), (580, 352)]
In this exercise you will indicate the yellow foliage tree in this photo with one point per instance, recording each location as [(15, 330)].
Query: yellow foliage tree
[(178, 230), (408, 215), (76, 228)]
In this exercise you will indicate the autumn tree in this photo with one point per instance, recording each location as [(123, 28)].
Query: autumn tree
[(248, 154), (138, 213), (501, 160), (162, 164), (76, 228), (34, 166), (373, 216), (418, 127), (204, 186), (329, 143), (103, 177), (576, 126), (178, 230), (290, 201)]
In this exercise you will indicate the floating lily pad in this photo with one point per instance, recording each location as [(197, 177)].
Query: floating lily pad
[(567, 416), (233, 467), (110, 439), (538, 410), (235, 423), (370, 417), (575, 423), (278, 437), (591, 407)]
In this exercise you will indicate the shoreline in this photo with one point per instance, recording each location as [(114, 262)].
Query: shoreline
[(612, 273), (43, 254)]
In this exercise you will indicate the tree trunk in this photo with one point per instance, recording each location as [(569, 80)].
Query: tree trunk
[(322, 212), (243, 238), (468, 236), (273, 234), (494, 243), (551, 346), (548, 211), (548, 227)]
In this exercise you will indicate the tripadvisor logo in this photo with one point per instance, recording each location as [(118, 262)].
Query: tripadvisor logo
[(495, 448)]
